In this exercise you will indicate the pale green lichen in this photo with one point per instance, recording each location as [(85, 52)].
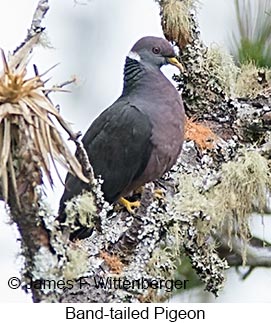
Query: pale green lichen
[(243, 188), (222, 68), (162, 264), (194, 236), (248, 83), (192, 200), (46, 272), (70, 260), (244, 184), (244, 81), (176, 20), (77, 264), (52, 276), (212, 72), (83, 208)]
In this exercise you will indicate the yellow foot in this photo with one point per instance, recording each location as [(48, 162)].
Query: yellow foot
[(129, 205), (159, 194)]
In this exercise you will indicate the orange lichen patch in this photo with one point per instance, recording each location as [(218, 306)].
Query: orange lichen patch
[(200, 134), (113, 262), (153, 297)]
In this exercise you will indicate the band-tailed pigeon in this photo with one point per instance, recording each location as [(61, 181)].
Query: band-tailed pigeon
[(139, 137)]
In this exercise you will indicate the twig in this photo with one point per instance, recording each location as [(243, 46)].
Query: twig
[(256, 256), (38, 16), (58, 87), (82, 157), (36, 28)]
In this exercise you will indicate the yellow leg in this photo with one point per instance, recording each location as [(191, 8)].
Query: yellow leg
[(159, 194), (129, 205)]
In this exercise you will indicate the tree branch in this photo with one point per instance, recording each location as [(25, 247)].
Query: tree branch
[(257, 253), (36, 28), (227, 145)]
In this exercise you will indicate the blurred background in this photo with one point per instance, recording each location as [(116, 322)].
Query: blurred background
[(90, 39)]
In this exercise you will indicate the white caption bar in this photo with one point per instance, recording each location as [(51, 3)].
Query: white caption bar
[(173, 312)]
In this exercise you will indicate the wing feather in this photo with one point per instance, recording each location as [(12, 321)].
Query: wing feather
[(119, 146)]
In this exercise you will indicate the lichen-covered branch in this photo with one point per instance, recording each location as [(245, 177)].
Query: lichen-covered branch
[(36, 27), (258, 252), (228, 108), (30, 143), (221, 177)]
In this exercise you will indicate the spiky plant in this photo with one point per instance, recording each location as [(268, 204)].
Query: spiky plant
[(29, 139), (252, 41)]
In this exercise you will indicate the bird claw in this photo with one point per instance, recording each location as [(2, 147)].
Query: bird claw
[(129, 205), (159, 194)]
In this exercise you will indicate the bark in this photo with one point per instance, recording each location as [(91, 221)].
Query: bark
[(204, 214)]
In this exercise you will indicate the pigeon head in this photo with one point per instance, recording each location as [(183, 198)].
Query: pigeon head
[(154, 52)]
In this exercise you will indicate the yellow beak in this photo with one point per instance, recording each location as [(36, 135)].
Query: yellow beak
[(175, 62)]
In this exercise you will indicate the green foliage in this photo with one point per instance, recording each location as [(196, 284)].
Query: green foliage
[(254, 51), (252, 43)]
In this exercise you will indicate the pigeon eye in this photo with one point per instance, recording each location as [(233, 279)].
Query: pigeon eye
[(156, 50)]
